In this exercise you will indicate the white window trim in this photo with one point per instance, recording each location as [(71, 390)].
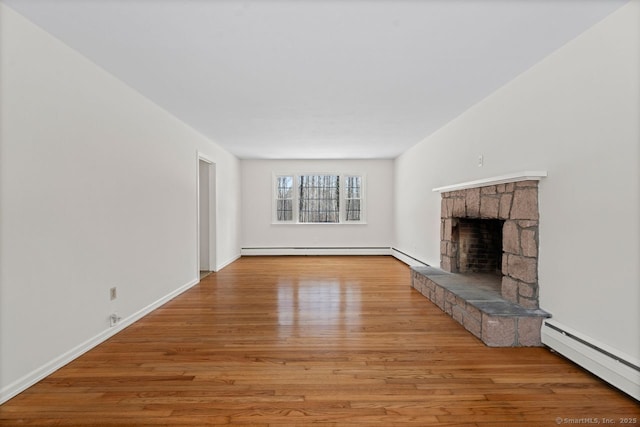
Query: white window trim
[(296, 183)]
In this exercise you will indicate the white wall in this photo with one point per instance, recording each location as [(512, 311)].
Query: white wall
[(98, 189), (576, 114), (259, 232)]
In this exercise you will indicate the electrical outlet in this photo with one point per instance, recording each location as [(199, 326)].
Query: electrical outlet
[(480, 160), (113, 293), (114, 319)]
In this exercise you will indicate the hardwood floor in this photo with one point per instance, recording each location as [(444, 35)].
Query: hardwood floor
[(293, 341)]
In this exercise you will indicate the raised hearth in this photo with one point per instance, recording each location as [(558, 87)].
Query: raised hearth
[(474, 301)]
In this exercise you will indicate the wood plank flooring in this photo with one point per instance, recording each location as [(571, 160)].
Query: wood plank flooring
[(295, 341)]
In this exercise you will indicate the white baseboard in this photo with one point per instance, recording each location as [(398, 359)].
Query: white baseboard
[(315, 251), (620, 370), (47, 369)]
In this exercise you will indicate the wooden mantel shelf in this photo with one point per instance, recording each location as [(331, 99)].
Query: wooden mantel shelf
[(502, 179)]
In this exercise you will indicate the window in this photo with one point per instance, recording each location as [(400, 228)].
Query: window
[(318, 198), (353, 185), (284, 198)]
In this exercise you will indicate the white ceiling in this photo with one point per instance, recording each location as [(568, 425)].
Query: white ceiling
[(312, 78)]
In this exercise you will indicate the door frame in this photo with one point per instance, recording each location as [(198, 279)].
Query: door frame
[(212, 266)]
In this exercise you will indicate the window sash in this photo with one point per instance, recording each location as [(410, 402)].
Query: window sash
[(319, 199), (353, 194), (284, 198)]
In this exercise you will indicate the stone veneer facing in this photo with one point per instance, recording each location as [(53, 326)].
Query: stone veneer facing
[(516, 204)]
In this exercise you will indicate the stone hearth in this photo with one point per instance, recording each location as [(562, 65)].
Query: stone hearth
[(475, 302)]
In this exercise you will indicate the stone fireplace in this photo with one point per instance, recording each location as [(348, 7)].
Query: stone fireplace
[(488, 275), (505, 214)]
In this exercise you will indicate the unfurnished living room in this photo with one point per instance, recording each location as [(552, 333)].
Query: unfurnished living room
[(331, 212)]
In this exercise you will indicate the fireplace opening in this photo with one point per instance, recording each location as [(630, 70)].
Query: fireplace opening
[(479, 245)]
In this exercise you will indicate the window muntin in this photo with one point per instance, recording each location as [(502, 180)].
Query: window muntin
[(318, 198)]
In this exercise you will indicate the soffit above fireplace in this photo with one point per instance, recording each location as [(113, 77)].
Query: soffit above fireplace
[(502, 179)]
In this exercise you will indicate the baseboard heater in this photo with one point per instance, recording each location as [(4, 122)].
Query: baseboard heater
[(618, 370), (406, 258), (318, 250)]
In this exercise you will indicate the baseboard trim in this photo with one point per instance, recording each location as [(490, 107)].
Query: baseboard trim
[(617, 369), (20, 385), (275, 251)]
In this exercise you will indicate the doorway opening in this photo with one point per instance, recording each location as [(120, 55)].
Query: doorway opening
[(206, 217)]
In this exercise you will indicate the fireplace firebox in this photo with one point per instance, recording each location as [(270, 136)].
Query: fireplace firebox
[(479, 245)]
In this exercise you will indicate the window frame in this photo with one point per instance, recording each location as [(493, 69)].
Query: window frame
[(344, 198), (276, 198), (296, 198)]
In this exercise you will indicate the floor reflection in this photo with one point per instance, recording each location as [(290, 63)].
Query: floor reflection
[(313, 307)]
